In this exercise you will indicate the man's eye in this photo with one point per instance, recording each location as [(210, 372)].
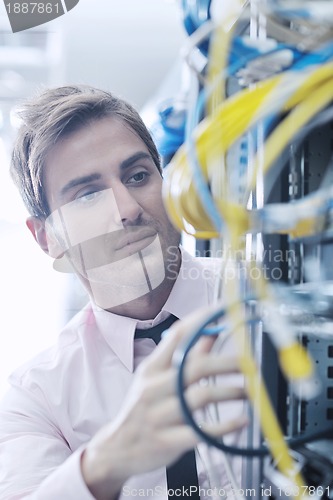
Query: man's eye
[(88, 197), (137, 178)]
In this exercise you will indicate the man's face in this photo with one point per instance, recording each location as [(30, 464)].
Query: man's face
[(104, 194)]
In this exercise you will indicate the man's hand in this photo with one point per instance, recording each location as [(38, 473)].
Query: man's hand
[(150, 432)]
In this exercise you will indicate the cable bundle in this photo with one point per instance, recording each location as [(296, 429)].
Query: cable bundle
[(278, 106)]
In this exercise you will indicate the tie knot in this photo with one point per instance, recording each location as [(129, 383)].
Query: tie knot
[(155, 332)]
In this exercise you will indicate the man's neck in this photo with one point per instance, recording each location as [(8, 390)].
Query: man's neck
[(149, 305)]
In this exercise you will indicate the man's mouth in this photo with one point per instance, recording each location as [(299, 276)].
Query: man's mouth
[(135, 239), (113, 246)]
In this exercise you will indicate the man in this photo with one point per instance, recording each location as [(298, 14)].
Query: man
[(97, 416)]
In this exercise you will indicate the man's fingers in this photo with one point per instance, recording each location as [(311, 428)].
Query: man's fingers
[(163, 384), (168, 411), (184, 436), (219, 429), (209, 365), (198, 396)]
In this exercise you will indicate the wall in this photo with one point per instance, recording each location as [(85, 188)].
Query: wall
[(128, 47)]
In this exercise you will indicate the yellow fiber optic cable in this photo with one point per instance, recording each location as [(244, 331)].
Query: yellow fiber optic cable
[(313, 77), (256, 389), (306, 94), (259, 398), (295, 362), (242, 110), (235, 114), (257, 392), (314, 102), (218, 54), (215, 135)]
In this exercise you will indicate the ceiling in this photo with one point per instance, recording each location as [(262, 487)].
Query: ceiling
[(126, 46)]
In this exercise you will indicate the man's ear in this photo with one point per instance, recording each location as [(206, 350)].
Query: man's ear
[(37, 228), (45, 237)]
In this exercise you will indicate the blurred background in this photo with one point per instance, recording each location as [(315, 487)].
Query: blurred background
[(131, 48)]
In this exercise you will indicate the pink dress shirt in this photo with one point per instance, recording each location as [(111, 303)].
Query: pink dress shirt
[(61, 398)]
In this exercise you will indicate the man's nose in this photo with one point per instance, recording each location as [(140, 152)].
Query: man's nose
[(128, 210)]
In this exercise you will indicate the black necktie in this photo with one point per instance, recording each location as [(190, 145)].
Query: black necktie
[(182, 475)]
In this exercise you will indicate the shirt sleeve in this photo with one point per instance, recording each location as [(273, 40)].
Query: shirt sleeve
[(36, 461)]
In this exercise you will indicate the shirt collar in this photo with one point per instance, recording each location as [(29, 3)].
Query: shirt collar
[(192, 290), (118, 331)]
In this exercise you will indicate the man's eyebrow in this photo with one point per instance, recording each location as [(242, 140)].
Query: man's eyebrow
[(95, 177), (141, 155), (79, 181)]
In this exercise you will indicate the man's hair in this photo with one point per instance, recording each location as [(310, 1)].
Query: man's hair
[(53, 115)]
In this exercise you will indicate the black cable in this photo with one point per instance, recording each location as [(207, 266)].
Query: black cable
[(180, 361)]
